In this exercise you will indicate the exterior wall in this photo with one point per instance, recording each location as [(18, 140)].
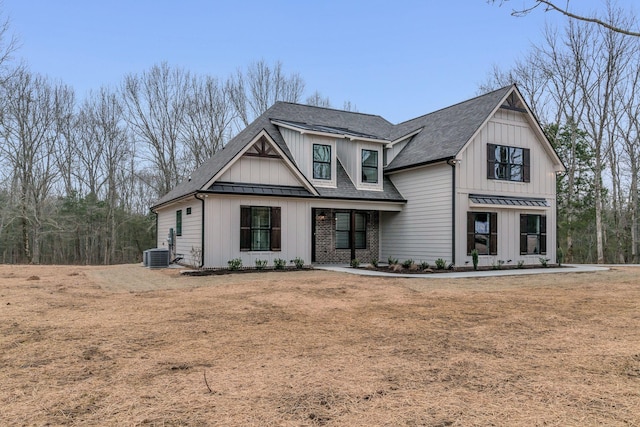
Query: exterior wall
[(422, 231), (188, 244), (505, 128), (222, 230), (350, 155), (260, 170), (392, 152), (301, 148), (326, 252)]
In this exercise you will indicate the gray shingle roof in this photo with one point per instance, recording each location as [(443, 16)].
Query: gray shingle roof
[(443, 134)]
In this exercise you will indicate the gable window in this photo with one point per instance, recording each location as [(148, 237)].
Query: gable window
[(482, 233), (321, 161), (533, 234), (370, 166), (343, 230), (188, 211), (259, 228), (179, 223), (508, 163)]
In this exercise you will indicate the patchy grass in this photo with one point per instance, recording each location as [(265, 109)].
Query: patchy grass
[(128, 345)]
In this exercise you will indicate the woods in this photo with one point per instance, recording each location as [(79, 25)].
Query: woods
[(77, 176)]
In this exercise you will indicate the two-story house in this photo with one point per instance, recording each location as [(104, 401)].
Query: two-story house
[(329, 186)]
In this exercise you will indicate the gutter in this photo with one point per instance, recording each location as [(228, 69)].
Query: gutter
[(201, 231), (452, 162)]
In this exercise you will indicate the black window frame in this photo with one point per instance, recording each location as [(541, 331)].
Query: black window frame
[(526, 233), (326, 164), (494, 164), (179, 222), (491, 234), (248, 228), (359, 235), (368, 167)]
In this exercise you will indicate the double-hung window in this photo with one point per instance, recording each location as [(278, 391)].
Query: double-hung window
[(344, 235), (321, 161), (482, 233), (508, 163), (370, 166), (259, 228), (533, 234)]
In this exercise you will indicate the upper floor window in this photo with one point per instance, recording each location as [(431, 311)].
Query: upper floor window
[(370, 166), (508, 163), (321, 161)]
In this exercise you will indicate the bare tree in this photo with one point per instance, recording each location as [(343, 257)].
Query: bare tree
[(260, 86), (317, 100), (604, 22)]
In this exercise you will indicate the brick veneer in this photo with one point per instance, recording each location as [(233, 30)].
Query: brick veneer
[(326, 252)]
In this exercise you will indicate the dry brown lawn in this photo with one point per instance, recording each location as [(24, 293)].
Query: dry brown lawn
[(125, 345)]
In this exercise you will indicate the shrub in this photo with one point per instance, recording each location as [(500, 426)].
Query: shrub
[(544, 262), (392, 261), (355, 263), (440, 264), (497, 265), (298, 262), (521, 264), (279, 263), (407, 263), (235, 264), (374, 263), (451, 267), (424, 265), (560, 257), (474, 258), (261, 263)]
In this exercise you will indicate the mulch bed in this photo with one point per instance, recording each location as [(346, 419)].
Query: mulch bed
[(221, 271)]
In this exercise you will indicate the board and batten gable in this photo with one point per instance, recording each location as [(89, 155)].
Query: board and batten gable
[(514, 129), (188, 243), (222, 230), (422, 231), (259, 170), (350, 155)]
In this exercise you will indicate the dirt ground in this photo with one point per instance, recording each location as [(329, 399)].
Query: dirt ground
[(125, 345)]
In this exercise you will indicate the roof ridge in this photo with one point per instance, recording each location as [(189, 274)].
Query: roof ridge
[(337, 110)]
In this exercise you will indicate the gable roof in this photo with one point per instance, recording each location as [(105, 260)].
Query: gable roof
[(445, 131), (433, 137)]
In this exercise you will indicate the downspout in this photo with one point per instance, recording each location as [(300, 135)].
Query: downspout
[(452, 162), (156, 214), (201, 231)]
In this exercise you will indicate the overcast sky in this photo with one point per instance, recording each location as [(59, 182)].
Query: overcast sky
[(396, 58)]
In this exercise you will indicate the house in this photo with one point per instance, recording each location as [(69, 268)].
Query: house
[(329, 186)]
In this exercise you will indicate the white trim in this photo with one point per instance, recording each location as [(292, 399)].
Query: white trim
[(402, 138), (292, 167)]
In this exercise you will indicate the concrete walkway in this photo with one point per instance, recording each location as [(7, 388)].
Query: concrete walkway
[(566, 268)]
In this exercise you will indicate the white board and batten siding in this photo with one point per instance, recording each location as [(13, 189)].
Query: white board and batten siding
[(510, 128), (422, 231), (260, 170), (189, 242), (301, 148), (222, 230)]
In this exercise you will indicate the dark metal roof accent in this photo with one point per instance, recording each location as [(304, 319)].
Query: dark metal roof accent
[(508, 201), (258, 189)]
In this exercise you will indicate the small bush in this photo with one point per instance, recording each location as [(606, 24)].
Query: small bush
[(374, 263), (261, 264), (544, 262), (235, 264), (497, 265), (392, 261), (355, 263), (279, 263), (560, 257), (451, 267), (298, 262), (520, 264), (407, 263), (474, 258), (424, 265), (440, 264)]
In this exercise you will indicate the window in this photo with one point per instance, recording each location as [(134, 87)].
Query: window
[(321, 161), (508, 163), (533, 234), (179, 223), (482, 233), (370, 166), (259, 228), (188, 211), (343, 230)]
